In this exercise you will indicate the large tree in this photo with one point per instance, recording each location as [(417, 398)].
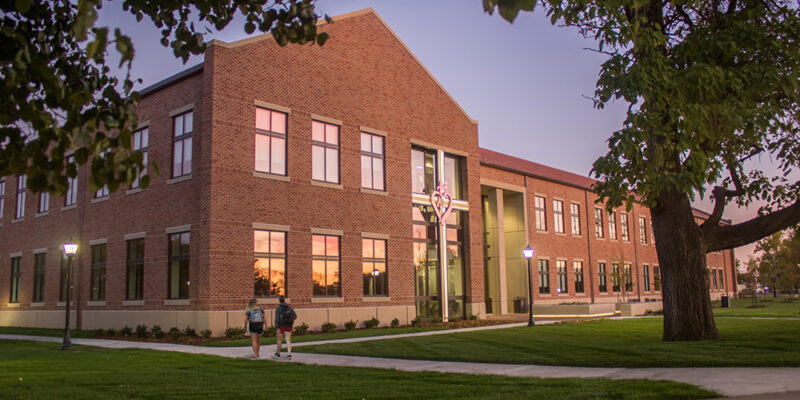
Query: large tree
[(711, 84), (59, 92)]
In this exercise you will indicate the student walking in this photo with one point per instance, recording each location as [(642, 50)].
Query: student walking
[(254, 321), (284, 320)]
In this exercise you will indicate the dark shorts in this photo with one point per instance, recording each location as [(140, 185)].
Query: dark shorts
[(257, 327), (285, 328)]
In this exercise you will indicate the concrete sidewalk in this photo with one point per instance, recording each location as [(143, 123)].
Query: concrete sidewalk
[(778, 383)]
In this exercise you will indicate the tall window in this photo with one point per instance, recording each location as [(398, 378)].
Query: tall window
[(376, 281), (2, 198), (578, 267), (134, 270), (65, 278), (72, 186), (575, 218), (602, 278), (325, 265), (541, 213), (324, 152), (598, 223), (21, 183), (612, 225), (183, 125), (652, 234), (721, 279), (615, 277), (642, 230), (15, 272), (714, 278), (623, 224), (452, 176), (423, 171), (38, 277), (372, 161), (646, 277), (656, 278), (98, 278), (561, 269), (141, 139), (269, 248), (544, 276), (178, 274), (558, 216), (628, 277), (44, 202), (103, 192), (270, 141)]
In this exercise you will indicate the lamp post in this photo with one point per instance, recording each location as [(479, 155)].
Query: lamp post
[(69, 249), (528, 254)]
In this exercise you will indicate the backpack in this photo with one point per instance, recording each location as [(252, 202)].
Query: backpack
[(287, 316), (257, 316)]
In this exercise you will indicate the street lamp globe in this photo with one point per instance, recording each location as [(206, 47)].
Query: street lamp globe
[(527, 252), (70, 248)]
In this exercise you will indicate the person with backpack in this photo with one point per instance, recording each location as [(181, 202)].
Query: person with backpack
[(254, 321), (284, 320)]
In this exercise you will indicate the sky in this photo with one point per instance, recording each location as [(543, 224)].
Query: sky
[(528, 84)]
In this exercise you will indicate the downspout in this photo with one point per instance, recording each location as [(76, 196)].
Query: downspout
[(81, 217), (589, 244)]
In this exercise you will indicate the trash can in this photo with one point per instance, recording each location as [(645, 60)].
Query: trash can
[(724, 302), (520, 305)]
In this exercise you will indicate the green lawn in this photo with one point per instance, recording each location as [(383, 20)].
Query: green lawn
[(30, 370), (326, 336), (772, 308), (608, 343)]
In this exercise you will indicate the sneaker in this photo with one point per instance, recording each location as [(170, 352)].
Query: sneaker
[(289, 357), (276, 356)]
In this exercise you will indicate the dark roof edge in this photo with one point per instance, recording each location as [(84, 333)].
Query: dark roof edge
[(169, 81)]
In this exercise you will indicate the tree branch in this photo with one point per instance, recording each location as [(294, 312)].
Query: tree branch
[(721, 237), (721, 196)]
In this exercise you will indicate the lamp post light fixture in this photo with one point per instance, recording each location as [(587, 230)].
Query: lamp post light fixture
[(69, 249), (528, 254)]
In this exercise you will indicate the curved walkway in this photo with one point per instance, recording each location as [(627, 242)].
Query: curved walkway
[(773, 383)]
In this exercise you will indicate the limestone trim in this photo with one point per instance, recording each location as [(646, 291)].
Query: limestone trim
[(448, 150), (338, 186), (274, 107), (181, 110), (373, 191), (178, 229), (177, 302), (271, 227), (370, 235), (137, 235), (373, 131), (322, 300), (325, 119), (40, 250), (266, 175), (376, 299), (323, 231), (179, 179), (98, 241)]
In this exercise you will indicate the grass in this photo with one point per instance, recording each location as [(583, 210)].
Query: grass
[(325, 336), (608, 343), (30, 370), (779, 307)]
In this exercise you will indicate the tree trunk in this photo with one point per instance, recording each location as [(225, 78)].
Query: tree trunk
[(682, 256)]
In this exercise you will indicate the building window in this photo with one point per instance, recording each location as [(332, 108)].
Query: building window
[(623, 224), (714, 278), (452, 176), (612, 225), (646, 277), (372, 161), (652, 234), (578, 267), (376, 281), (601, 273), (15, 272), (178, 274), (324, 152), (325, 265), (40, 261), (423, 170), (183, 125), (615, 277), (72, 186), (628, 277), (103, 192), (271, 130), (656, 278), (21, 183), (598, 223), (558, 216), (544, 276), (141, 140), (2, 198), (642, 230), (269, 249), (62, 292), (721, 280), (44, 202), (541, 213), (98, 278), (561, 269), (134, 270), (575, 218)]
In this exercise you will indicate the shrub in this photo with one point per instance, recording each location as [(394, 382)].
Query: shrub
[(329, 327), (395, 323), (190, 332), (472, 317), (175, 333), (157, 332), (234, 332), (271, 332), (436, 320), (141, 330), (350, 325), (206, 333), (99, 332), (301, 329), (125, 331), (371, 323), (416, 322)]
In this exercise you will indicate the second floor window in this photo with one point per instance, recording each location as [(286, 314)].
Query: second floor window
[(270, 154), (324, 152), (558, 216), (21, 184), (575, 218), (372, 161), (98, 278), (183, 125), (72, 186), (612, 225), (140, 143), (598, 223), (103, 192), (642, 230), (44, 202), (325, 265), (623, 226), (376, 281), (540, 209), (269, 249), (2, 198)]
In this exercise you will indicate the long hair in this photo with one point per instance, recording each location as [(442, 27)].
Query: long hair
[(251, 304)]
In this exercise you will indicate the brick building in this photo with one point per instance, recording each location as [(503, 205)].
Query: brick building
[(314, 172)]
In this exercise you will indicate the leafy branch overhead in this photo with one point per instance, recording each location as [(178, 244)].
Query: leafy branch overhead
[(59, 93)]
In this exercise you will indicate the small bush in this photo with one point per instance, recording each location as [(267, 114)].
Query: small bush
[(416, 322), (301, 329), (371, 323), (99, 332), (157, 332), (350, 325), (234, 332), (329, 327), (190, 332), (125, 331), (472, 317), (141, 331), (654, 312), (206, 333), (111, 332), (175, 333), (271, 332), (395, 323), (436, 320)]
